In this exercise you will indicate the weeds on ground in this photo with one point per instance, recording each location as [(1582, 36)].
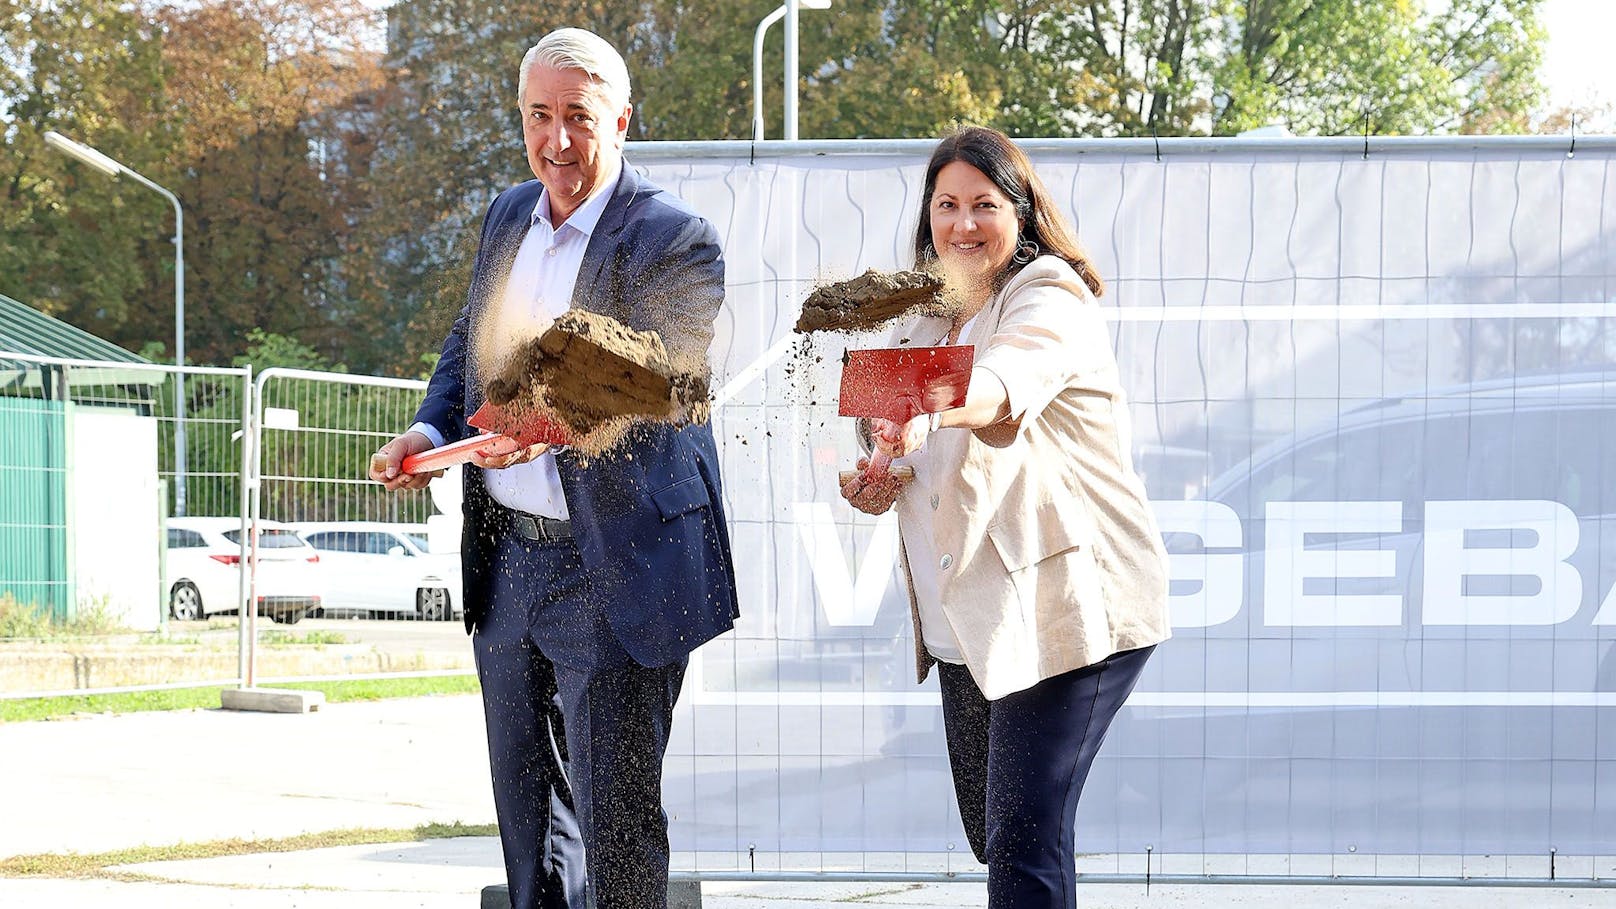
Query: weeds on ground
[(160, 639), (274, 637), (31, 621), (22, 621)]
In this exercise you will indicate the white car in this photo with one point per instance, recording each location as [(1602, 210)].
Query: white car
[(374, 566), (204, 570)]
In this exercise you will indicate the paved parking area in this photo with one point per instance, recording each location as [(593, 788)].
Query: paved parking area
[(98, 783)]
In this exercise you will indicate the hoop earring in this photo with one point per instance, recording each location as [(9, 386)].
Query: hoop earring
[(1026, 251)]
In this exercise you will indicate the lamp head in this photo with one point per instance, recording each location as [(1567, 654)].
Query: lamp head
[(84, 153)]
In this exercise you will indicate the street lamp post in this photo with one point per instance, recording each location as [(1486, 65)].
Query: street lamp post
[(787, 11), (112, 168)]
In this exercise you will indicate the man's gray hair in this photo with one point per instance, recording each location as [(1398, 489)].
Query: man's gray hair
[(576, 48)]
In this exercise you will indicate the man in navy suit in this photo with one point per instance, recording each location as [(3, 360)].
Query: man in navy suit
[(586, 584)]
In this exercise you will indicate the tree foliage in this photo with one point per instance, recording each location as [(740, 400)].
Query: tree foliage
[(72, 242), (245, 109), (332, 189)]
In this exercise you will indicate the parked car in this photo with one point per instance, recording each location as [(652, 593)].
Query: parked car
[(1414, 592), (378, 567), (204, 570)]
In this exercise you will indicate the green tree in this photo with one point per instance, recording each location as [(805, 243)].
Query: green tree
[(1322, 67), (74, 242), (265, 92), (252, 111)]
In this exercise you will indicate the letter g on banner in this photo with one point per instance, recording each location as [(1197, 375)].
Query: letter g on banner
[(1217, 576)]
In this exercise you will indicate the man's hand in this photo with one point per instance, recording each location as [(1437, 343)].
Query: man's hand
[(872, 498), (387, 464), (499, 462)]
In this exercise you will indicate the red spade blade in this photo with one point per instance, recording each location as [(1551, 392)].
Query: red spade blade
[(502, 434), (897, 383), (528, 428)]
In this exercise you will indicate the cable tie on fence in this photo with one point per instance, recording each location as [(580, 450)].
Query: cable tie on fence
[(751, 153), (1148, 851), (1572, 151), (1157, 139), (1366, 135)]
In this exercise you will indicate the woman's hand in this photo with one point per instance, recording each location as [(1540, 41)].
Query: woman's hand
[(898, 439), (872, 497)]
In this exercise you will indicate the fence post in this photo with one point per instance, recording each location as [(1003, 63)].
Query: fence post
[(247, 644), (162, 558)]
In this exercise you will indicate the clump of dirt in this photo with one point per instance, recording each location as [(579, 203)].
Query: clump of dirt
[(873, 299), (598, 376)]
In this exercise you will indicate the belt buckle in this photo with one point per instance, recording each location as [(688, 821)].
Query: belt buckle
[(534, 527)]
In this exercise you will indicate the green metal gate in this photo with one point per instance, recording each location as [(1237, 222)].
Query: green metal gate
[(34, 555)]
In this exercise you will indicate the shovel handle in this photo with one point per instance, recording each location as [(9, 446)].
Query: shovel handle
[(901, 472), (487, 445), (877, 468)]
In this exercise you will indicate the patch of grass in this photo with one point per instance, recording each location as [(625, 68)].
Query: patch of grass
[(75, 865), (275, 637), (122, 702), (24, 709), (378, 689)]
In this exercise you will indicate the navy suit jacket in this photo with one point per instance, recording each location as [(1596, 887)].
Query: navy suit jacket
[(647, 516)]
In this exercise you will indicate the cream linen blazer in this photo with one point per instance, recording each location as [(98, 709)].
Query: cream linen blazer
[(1048, 556)]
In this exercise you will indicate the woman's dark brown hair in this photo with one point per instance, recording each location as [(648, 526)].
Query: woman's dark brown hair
[(1004, 163)]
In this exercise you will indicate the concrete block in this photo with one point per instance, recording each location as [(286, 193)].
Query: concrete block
[(681, 895), (684, 895), (271, 700)]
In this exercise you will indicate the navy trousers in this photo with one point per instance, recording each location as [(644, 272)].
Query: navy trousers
[(1019, 764), (576, 735)]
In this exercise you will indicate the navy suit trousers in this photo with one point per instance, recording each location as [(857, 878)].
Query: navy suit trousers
[(576, 733), (1019, 764)]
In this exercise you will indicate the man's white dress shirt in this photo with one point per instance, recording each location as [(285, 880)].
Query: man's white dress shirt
[(539, 290)]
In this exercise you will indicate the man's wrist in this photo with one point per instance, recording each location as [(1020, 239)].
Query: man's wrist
[(429, 431)]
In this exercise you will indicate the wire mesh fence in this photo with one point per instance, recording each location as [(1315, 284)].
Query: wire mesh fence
[(383, 555), (1373, 401), (95, 557)]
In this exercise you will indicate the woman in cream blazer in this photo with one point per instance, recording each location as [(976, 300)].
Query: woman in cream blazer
[(1037, 576)]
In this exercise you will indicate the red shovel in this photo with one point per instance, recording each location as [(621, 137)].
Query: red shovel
[(502, 434), (900, 383)]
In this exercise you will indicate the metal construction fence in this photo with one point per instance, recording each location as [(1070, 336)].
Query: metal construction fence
[(1374, 403), (96, 526)]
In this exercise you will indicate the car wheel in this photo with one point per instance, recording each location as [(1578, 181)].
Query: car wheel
[(185, 602), (432, 604), (286, 618)]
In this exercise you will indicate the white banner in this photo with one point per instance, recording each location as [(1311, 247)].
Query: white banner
[(1375, 407)]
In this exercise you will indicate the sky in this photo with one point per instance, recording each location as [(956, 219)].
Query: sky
[(1576, 64)]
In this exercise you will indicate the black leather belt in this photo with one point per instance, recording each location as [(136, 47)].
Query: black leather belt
[(537, 527)]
